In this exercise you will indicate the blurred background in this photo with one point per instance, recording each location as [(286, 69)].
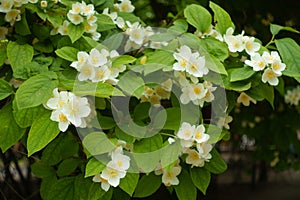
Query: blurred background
[(262, 153)]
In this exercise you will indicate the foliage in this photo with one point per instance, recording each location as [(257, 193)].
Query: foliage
[(112, 107)]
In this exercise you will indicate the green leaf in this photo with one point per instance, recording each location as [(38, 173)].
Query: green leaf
[(275, 29), (289, 52), (147, 185), (75, 31), (42, 169), (67, 53), (62, 147), (186, 189), (19, 55), (93, 167), (200, 178), (130, 82), (96, 192), (106, 122), (170, 153), (47, 183), (42, 132), (25, 117), (239, 74), (261, 92), (104, 23), (141, 111), (63, 189), (82, 187), (97, 143), (67, 166), (10, 132), (3, 55), (39, 86), (198, 17), (122, 60), (5, 89), (158, 60), (215, 47), (221, 18), (103, 90), (129, 182), (21, 26), (216, 165), (113, 42)]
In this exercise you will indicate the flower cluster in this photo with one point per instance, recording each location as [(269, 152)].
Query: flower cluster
[(12, 10), (124, 6), (97, 66), (270, 63), (115, 169), (138, 37), (189, 62), (169, 174), (161, 91), (192, 136), (80, 13), (293, 96), (68, 109)]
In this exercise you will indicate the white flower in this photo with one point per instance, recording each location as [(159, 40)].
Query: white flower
[(171, 140), (98, 59), (224, 122), (182, 58), (271, 57), (197, 66), (112, 175), (199, 135), (44, 4), (91, 19), (277, 67), (197, 91), (292, 96), (250, 45), (12, 16), (63, 29), (137, 35), (235, 43), (90, 28), (122, 162), (245, 99), (75, 18), (3, 32), (271, 77), (76, 8), (82, 58), (101, 74), (104, 183), (87, 9), (58, 99), (61, 118), (257, 62), (170, 177), (76, 109), (204, 150), (194, 158), (186, 131), (125, 6), (6, 5), (96, 36), (86, 71)]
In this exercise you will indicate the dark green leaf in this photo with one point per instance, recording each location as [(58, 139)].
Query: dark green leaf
[(129, 182), (216, 165), (147, 185), (186, 189), (67, 166), (63, 189), (200, 178)]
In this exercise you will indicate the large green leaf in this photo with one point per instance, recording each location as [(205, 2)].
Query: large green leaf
[(200, 178), (130, 83), (67, 166), (104, 23), (289, 52), (75, 31), (10, 132), (147, 185), (215, 47), (198, 16), (42, 169), (5, 89), (216, 165), (42, 132), (129, 182), (186, 189), (240, 74), (93, 167), (35, 91), (19, 55), (67, 53), (96, 192), (274, 28), (64, 146), (97, 143), (63, 189), (261, 92), (221, 18)]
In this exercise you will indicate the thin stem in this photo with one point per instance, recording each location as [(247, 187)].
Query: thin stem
[(271, 41), (167, 134)]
